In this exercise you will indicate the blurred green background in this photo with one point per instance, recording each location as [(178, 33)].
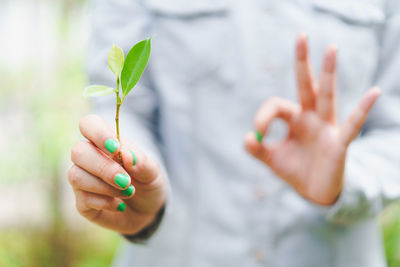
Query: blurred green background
[(42, 74)]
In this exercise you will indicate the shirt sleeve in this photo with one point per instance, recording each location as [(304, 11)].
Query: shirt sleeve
[(124, 23), (372, 172)]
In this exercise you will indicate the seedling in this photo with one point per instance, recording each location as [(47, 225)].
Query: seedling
[(128, 72)]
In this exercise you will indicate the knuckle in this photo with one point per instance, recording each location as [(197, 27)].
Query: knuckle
[(143, 162), (266, 159), (273, 100), (104, 205), (159, 182), (85, 199), (329, 93), (78, 150), (73, 176)]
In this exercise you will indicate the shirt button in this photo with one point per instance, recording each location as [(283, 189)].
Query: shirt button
[(260, 192), (259, 255)]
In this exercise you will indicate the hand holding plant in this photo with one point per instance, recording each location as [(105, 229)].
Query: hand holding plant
[(115, 184)]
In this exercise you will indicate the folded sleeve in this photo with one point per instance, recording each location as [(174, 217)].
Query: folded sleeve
[(372, 172), (124, 23)]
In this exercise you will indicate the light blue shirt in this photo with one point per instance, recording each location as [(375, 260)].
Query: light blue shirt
[(213, 64)]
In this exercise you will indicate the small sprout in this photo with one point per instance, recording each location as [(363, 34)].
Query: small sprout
[(128, 72), (116, 60), (97, 90), (136, 62)]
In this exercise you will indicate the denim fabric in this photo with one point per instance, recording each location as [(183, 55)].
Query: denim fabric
[(213, 64)]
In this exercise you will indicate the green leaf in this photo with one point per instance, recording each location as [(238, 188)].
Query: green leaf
[(135, 63), (97, 90), (116, 60)]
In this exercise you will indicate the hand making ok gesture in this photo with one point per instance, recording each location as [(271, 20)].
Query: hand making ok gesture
[(312, 156)]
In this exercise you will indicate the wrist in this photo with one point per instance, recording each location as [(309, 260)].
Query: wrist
[(148, 229)]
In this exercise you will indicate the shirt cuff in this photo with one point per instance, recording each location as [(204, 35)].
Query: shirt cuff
[(358, 200), (144, 235)]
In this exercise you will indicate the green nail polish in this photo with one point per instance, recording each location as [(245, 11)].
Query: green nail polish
[(111, 145), (258, 136), (122, 180), (134, 158), (129, 191), (121, 207)]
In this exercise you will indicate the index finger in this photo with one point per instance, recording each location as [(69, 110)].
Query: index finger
[(273, 108), (97, 131)]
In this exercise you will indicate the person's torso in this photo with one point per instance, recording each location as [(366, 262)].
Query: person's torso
[(213, 64)]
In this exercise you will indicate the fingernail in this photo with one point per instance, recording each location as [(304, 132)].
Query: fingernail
[(129, 191), (259, 136), (134, 158), (121, 207), (111, 145), (122, 180)]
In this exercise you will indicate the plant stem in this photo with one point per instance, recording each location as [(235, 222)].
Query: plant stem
[(117, 121), (119, 103)]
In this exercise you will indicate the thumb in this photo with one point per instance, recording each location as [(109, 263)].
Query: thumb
[(139, 166)]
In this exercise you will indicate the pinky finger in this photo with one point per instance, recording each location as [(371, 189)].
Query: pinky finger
[(110, 212), (353, 124), (87, 203)]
